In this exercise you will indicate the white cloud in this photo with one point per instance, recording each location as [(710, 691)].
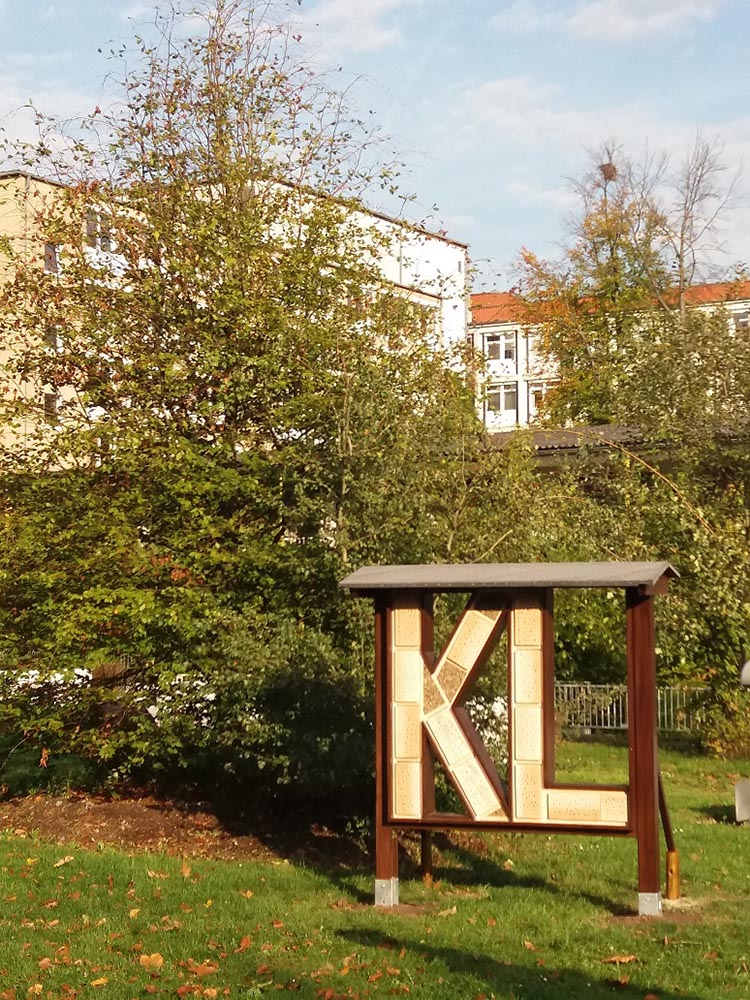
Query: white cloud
[(560, 198), (356, 25), (608, 20), (628, 20)]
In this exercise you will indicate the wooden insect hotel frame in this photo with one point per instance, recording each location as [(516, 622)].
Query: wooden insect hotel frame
[(419, 713)]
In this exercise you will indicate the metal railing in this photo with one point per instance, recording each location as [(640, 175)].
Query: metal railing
[(605, 706)]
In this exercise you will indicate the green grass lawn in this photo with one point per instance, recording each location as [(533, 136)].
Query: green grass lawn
[(517, 916)]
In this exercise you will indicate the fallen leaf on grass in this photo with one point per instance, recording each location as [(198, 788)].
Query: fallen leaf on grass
[(529, 946), (153, 874), (651, 996), (44, 964), (277, 924), (204, 969), (100, 982), (63, 861), (447, 913), (248, 893), (155, 961), (711, 956), (134, 912), (619, 959), (263, 970), (185, 870), (244, 944)]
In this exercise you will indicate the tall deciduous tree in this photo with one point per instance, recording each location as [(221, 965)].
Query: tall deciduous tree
[(246, 410)]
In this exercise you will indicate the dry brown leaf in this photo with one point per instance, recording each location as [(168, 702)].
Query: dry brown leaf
[(134, 912), (244, 944), (204, 969), (619, 959), (8, 995), (154, 874), (711, 956), (155, 961), (99, 982), (63, 861), (263, 970), (248, 893), (447, 913), (277, 923), (211, 992), (37, 988), (529, 945), (44, 964), (392, 971), (185, 870)]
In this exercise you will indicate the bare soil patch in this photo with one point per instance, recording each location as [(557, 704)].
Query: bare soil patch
[(145, 823)]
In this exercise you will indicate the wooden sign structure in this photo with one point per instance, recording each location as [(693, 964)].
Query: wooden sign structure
[(419, 713)]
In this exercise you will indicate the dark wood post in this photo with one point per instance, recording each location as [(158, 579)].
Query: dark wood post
[(642, 727), (386, 841)]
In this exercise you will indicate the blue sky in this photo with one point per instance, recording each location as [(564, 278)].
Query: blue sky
[(493, 104)]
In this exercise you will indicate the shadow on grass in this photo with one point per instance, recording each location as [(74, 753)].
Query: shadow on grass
[(471, 869), (722, 813), (507, 978)]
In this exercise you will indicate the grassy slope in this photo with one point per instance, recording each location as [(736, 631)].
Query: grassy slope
[(531, 917)]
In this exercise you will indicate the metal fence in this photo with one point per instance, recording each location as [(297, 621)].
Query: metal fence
[(605, 706)]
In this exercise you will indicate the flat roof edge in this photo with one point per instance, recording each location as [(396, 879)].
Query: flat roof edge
[(508, 576)]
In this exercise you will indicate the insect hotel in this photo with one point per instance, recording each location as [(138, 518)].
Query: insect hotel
[(420, 714)]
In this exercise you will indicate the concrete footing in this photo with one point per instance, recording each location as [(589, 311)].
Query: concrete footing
[(649, 904), (386, 892)]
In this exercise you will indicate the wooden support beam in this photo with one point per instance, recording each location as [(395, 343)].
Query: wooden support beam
[(386, 841), (642, 727)]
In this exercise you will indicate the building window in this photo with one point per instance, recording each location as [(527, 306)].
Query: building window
[(50, 258), (503, 399), (501, 347), (51, 337), (537, 394), (98, 230), (741, 320), (50, 402)]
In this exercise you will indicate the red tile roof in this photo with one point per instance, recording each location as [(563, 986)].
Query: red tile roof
[(508, 307)]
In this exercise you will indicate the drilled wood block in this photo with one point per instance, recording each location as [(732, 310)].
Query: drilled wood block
[(478, 791), (527, 792), (571, 805), (407, 627), (468, 641), (527, 676), (407, 790), (407, 675), (448, 736), (407, 732), (527, 624), (615, 808), (527, 733)]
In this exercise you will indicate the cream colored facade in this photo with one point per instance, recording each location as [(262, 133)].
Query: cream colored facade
[(23, 197), (427, 268)]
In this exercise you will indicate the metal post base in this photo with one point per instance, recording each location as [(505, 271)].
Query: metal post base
[(386, 892), (649, 904)]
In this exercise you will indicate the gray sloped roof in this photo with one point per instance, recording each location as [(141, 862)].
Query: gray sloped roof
[(508, 576)]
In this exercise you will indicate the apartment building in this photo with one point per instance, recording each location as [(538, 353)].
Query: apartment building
[(426, 268), (517, 375)]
